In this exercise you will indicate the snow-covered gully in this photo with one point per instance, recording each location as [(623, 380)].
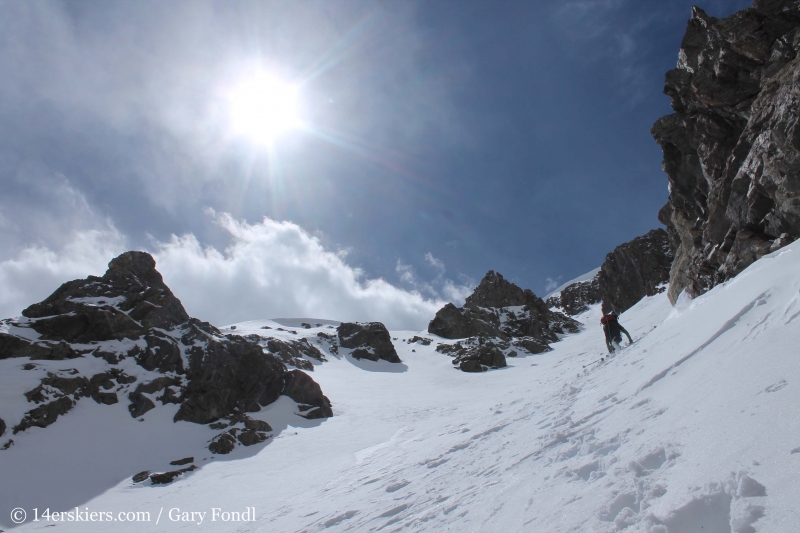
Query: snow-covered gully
[(691, 428)]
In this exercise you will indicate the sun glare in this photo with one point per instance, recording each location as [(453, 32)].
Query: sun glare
[(263, 107)]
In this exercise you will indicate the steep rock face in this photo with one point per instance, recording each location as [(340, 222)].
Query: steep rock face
[(577, 297), (634, 270), (495, 291), (369, 340), (129, 313), (498, 309), (732, 147)]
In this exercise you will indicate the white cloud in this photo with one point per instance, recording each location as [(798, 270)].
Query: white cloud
[(435, 263), (270, 269), (37, 271), (276, 269), (405, 272), (552, 284)]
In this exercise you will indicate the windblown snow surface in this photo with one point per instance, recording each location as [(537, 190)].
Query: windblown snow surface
[(693, 428)]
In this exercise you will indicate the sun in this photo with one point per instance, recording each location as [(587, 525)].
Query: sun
[(263, 107)]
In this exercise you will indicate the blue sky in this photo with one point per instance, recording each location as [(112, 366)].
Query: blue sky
[(443, 139)]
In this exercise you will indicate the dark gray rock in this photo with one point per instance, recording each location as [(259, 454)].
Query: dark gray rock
[(227, 376), (292, 352), (140, 403), (181, 462), (256, 425), (452, 322), (105, 398), (531, 345), (146, 302), (732, 147), (208, 374), (2, 427), (222, 444), (302, 389), (634, 270), (45, 415), (495, 291), (370, 340), (471, 365), (141, 476), (486, 315), (577, 297), (425, 341), (162, 353), (168, 477), (249, 437)]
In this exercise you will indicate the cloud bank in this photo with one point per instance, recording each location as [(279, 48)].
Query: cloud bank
[(270, 269)]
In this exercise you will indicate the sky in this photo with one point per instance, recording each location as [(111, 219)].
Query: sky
[(438, 140)]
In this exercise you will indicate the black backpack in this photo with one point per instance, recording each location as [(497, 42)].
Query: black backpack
[(613, 330)]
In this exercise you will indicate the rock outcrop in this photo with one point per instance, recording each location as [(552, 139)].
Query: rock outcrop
[(130, 314), (500, 310), (635, 269), (369, 340), (576, 298), (732, 147)]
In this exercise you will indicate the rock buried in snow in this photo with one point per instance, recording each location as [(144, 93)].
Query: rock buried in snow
[(249, 437), (169, 477), (222, 444), (370, 340), (45, 415), (480, 358), (181, 462), (2, 427)]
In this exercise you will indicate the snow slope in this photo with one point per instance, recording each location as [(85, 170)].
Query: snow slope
[(691, 428)]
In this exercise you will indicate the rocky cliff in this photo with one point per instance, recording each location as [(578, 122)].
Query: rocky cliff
[(503, 312), (635, 269), (148, 351), (732, 147)]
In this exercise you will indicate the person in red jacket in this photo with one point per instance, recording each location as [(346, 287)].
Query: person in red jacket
[(613, 330)]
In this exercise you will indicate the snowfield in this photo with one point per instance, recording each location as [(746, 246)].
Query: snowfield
[(694, 427)]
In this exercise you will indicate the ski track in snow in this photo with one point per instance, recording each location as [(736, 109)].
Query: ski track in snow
[(691, 428)]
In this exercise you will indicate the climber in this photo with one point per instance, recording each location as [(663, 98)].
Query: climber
[(613, 329)]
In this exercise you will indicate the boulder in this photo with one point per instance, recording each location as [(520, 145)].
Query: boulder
[(369, 340), (732, 147), (249, 437), (302, 389), (2, 427), (222, 444), (181, 462), (169, 477), (141, 476)]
